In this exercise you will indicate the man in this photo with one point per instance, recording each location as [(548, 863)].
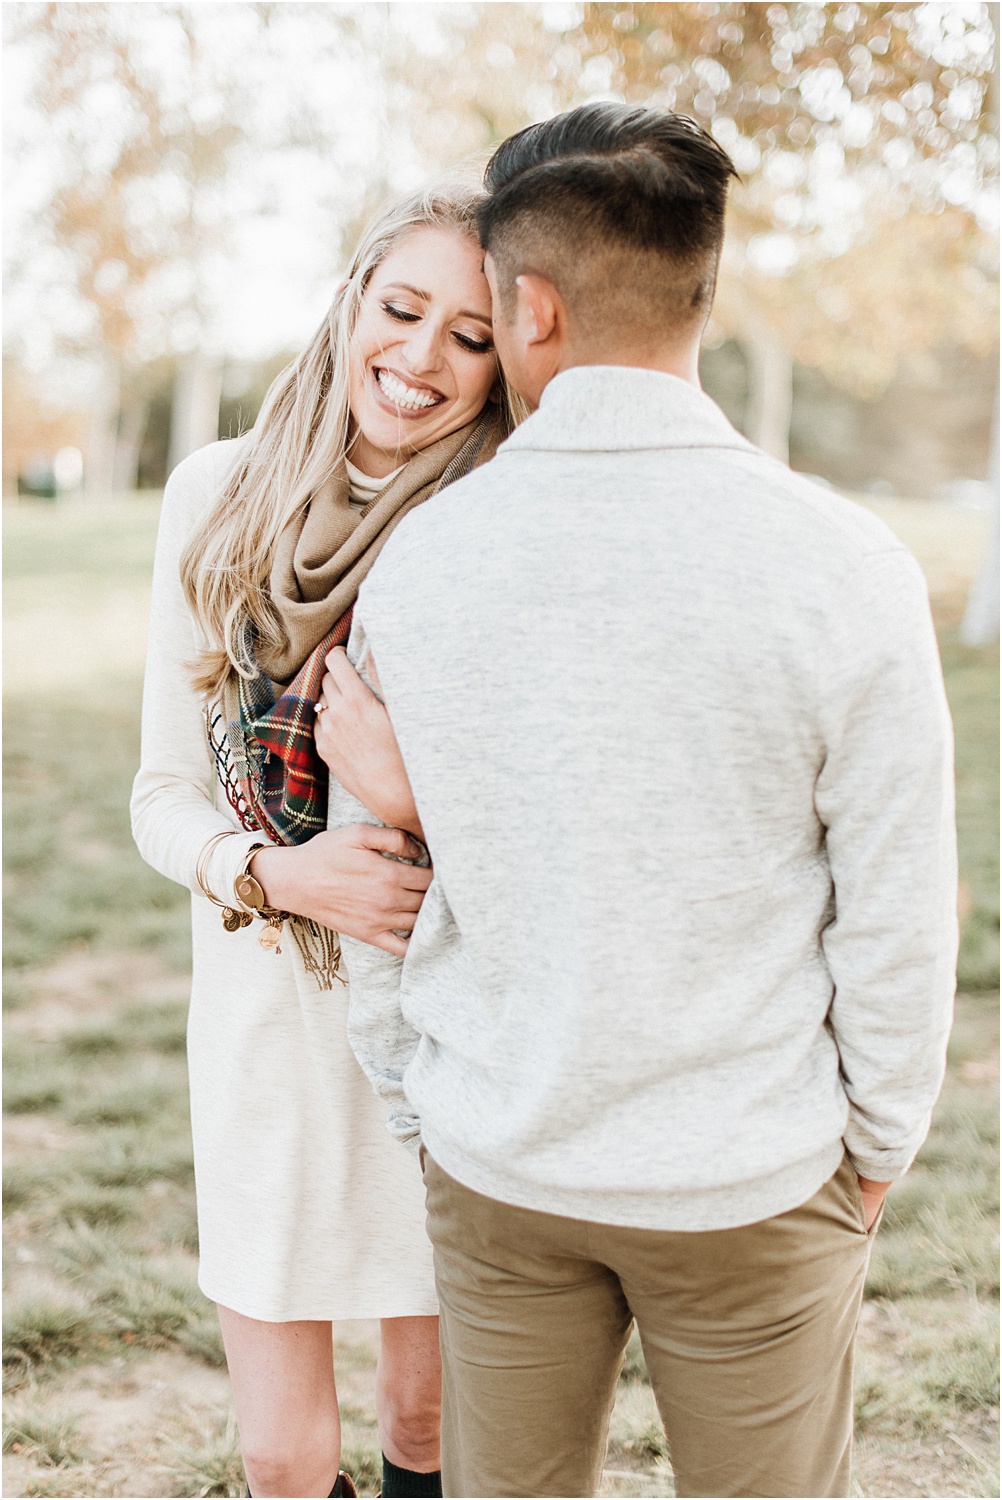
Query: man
[(675, 1008)]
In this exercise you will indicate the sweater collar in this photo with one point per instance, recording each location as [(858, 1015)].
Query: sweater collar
[(602, 408)]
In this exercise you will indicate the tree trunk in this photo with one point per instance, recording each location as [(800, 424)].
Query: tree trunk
[(194, 417), (770, 395), (131, 425), (102, 435), (981, 617)]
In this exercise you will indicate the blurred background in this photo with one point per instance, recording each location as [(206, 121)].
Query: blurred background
[(184, 184)]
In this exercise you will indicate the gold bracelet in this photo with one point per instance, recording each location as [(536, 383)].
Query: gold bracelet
[(232, 920), (203, 860), (246, 889), (250, 896)]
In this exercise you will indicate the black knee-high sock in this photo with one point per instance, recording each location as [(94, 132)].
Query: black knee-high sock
[(400, 1482)]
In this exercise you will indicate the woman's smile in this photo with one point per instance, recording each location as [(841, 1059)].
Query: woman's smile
[(402, 394)]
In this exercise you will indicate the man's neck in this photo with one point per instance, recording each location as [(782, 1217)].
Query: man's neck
[(681, 361)]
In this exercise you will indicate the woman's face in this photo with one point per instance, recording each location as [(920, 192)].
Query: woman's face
[(422, 354)]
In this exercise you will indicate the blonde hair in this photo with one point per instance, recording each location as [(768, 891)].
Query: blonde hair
[(297, 442)]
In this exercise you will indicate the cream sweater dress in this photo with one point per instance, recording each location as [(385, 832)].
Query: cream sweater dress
[(306, 1207)]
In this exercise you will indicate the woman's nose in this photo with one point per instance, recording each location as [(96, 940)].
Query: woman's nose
[(422, 350)]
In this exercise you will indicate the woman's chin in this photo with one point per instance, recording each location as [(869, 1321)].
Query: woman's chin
[(397, 440), (373, 450)]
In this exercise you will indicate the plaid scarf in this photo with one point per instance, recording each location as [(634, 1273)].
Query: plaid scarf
[(263, 744), (261, 734)]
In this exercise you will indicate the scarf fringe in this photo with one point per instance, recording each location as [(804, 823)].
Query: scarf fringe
[(220, 749), (321, 950)]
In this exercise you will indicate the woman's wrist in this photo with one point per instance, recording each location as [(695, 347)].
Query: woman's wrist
[(274, 870)]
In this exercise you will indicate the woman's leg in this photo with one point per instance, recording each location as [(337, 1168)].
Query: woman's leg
[(286, 1402), (409, 1393)]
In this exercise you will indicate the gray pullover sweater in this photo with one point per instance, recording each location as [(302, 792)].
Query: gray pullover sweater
[(676, 729)]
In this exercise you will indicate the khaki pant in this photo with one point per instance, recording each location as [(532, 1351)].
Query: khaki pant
[(748, 1335)]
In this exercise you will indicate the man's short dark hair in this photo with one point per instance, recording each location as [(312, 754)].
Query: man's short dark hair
[(621, 208)]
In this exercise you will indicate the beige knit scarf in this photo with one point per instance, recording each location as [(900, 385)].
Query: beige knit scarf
[(328, 548)]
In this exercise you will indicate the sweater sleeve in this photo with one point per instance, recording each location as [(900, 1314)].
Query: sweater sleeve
[(380, 1037), (173, 796), (885, 798)]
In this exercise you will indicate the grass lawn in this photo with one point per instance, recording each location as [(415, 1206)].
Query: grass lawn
[(112, 1358)]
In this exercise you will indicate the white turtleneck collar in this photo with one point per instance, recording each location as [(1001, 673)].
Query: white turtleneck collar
[(362, 487)]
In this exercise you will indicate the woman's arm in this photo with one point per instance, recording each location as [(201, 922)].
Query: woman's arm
[(173, 816), (356, 739), (344, 881)]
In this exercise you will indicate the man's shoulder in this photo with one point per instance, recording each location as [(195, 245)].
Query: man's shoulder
[(859, 528), (845, 530)]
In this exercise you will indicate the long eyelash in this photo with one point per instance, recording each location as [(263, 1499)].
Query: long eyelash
[(473, 345), (399, 313)]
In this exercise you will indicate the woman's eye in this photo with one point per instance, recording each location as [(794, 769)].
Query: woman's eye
[(476, 346), (465, 340), (401, 314)]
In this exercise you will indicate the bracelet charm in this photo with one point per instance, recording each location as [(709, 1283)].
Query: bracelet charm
[(234, 920), (271, 934), (248, 890)]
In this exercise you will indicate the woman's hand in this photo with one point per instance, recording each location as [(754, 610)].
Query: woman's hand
[(355, 738), (343, 879)]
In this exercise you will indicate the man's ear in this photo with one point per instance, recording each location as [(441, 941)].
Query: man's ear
[(540, 308)]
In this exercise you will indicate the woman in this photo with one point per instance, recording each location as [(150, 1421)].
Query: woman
[(308, 1212)]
